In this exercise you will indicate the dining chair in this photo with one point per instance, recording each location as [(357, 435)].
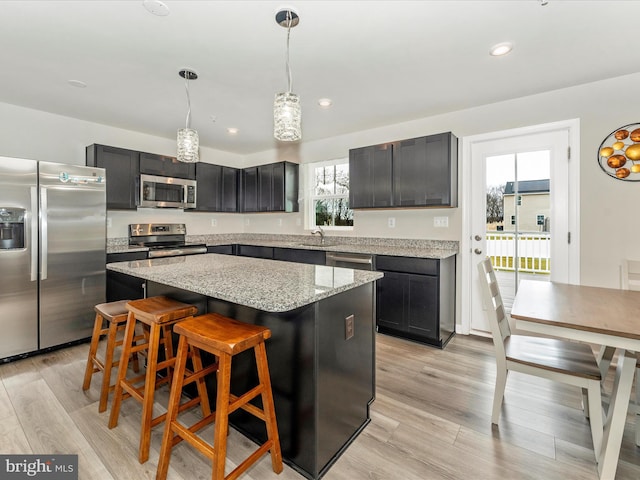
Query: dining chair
[(563, 361), (630, 280)]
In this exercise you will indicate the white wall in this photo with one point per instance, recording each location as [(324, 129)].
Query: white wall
[(610, 231)]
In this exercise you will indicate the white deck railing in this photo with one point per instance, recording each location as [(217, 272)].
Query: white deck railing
[(534, 251)]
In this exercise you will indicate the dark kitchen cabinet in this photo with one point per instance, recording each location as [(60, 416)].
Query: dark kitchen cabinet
[(222, 249), (122, 168), (270, 188), (425, 172), (418, 172), (165, 166), (250, 189), (217, 188), (370, 170), (416, 298), (300, 255), (121, 286), (254, 251)]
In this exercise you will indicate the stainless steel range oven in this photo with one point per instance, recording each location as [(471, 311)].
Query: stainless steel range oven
[(164, 239)]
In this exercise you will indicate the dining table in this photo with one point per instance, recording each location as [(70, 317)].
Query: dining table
[(595, 315)]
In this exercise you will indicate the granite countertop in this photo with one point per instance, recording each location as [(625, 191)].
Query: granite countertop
[(267, 285), (395, 250), (438, 249)]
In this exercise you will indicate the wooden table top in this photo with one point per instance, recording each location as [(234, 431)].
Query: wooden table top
[(594, 309)]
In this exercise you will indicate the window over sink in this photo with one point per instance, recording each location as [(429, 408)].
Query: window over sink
[(328, 205)]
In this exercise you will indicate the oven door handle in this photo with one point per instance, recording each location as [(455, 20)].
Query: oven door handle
[(176, 252)]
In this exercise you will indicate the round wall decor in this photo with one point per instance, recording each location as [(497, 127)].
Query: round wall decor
[(619, 153)]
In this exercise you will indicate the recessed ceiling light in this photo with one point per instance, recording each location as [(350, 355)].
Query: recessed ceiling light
[(232, 130), (325, 102), (77, 83), (501, 49), (156, 7)]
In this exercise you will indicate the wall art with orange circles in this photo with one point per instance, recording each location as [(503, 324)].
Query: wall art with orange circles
[(619, 153)]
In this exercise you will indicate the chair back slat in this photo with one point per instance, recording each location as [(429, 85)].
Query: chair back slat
[(631, 274), (498, 320)]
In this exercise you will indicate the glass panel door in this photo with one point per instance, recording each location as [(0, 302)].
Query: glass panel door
[(518, 210)]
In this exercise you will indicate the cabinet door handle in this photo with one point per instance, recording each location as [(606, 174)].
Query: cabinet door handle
[(477, 238), (477, 251)]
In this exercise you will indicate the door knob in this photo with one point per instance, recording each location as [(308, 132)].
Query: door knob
[(477, 251), (477, 238)]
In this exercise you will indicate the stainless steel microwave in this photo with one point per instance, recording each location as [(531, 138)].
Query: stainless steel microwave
[(168, 192)]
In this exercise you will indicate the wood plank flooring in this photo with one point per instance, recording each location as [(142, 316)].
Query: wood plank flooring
[(430, 420)]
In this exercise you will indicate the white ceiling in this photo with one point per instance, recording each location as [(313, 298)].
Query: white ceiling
[(382, 62)]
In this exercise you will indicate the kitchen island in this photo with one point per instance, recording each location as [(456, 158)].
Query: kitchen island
[(321, 354)]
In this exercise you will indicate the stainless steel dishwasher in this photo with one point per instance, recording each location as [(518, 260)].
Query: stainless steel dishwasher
[(358, 261)]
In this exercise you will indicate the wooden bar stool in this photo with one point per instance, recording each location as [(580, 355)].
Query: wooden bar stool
[(224, 338), (115, 313), (158, 314)]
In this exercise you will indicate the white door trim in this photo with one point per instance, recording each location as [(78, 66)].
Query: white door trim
[(573, 127)]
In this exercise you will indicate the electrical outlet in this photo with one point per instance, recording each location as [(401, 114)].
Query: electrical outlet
[(279, 222), (214, 222), (391, 222), (441, 222), (109, 222), (349, 327), (246, 221), (298, 221)]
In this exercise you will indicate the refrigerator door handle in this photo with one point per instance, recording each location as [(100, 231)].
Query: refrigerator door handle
[(44, 240), (33, 267)]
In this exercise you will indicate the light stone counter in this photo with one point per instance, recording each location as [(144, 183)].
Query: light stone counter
[(419, 248), (268, 285)]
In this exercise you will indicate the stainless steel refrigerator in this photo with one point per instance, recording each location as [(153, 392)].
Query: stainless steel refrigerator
[(52, 253)]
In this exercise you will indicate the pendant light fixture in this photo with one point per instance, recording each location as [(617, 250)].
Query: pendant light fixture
[(287, 114), (188, 141)]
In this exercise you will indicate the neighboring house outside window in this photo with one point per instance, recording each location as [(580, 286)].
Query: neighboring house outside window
[(329, 195)]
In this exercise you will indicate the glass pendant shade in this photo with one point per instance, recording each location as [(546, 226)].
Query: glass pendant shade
[(287, 117), (188, 145)]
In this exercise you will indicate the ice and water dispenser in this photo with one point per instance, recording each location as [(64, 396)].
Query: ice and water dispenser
[(11, 228)]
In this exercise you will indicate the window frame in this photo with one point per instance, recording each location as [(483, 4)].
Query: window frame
[(310, 213)]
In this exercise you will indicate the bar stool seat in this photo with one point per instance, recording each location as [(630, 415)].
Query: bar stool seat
[(158, 314), (223, 337), (115, 313)]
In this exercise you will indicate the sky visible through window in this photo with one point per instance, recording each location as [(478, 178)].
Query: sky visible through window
[(531, 166)]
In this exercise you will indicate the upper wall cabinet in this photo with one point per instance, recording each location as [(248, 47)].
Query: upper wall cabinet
[(217, 189), (122, 167), (419, 172), (270, 188), (370, 173), (152, 164)]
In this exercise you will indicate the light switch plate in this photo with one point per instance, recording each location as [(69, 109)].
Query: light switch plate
[(441, 222)]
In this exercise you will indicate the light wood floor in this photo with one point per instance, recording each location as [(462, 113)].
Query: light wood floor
[(430, 420)]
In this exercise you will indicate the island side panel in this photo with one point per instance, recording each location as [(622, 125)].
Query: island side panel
[(346, 366)]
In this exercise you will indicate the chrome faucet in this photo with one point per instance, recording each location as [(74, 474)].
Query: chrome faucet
[(321, 232)]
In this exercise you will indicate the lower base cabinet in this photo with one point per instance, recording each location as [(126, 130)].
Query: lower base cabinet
[(416, 298), (121, 286)]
